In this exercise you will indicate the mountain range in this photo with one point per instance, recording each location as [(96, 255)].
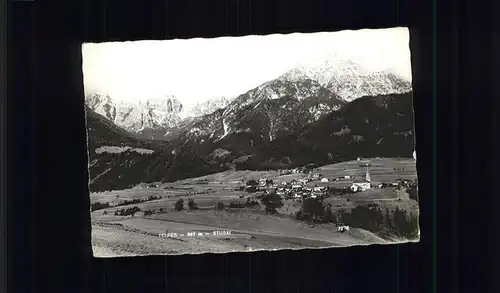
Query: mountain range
[(313, 90), (379, 126), (323, 112)]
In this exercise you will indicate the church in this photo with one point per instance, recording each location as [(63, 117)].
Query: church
[(362, 185)]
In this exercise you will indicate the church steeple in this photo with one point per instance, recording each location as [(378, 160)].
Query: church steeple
[(368, 175)]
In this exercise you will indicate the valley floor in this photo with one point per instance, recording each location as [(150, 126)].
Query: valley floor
[(250, 228)]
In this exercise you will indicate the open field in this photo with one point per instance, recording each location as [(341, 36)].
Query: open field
[(136, 236), (251, 228)]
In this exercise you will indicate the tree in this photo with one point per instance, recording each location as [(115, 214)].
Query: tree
[(369, 218), (387, 222), (269, 182), (179, 205), (251, 203), (329, 216), (412, 191), (192, 205), (406, 225), (343, 216), (313, 209), (272, 201)]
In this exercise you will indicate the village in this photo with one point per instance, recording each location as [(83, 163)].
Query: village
[(312, 184)]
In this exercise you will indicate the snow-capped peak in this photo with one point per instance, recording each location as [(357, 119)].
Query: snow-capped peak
[(205, 107), (294, 75), (137, 115), (348, 79)]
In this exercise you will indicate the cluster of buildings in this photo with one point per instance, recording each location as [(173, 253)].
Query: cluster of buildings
[(296, 189), (299, 189)]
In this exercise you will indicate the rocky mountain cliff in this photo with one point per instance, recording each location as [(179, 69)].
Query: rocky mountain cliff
[(299, 96), (275, 108), (351, 81)]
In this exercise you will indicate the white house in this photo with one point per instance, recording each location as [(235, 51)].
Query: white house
[(319, 189), (324, 180), (361, 186), (347, 177)]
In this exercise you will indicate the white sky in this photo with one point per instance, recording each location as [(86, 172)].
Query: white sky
[(199, 69)]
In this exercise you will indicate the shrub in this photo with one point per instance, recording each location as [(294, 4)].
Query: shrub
[(251, 189), (236, 205), (99, 206), (161, 210), (251, 203), (179, 205), (127, 212), (153, 197), (221, 205), (148, 213), (192, 205), (252, 182), (128, 202)]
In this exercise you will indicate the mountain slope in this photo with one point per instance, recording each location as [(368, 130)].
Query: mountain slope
[(206, 107), (276, 108), (117, 160), (368, 127)]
